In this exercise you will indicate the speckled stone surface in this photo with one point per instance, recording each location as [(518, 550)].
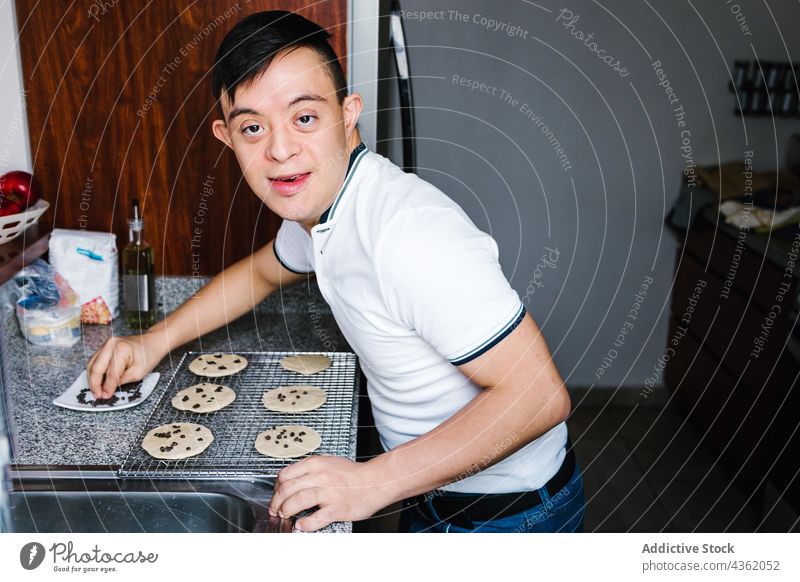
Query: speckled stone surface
[(294, 319), (300, 298)]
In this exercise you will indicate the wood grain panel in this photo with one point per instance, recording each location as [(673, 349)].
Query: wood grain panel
[(119, 106)]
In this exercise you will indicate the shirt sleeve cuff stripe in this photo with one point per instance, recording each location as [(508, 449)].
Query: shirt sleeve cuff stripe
[(492, 341), (282, 262)]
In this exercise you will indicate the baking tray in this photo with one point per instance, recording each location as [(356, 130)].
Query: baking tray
[(236, 426)]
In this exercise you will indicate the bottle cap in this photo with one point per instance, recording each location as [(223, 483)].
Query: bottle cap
[(136, 224)]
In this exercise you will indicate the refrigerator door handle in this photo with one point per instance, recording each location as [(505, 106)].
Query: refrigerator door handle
[(398, 40)]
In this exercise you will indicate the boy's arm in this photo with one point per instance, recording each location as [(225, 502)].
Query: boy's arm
[(229, 295), (232, 293)]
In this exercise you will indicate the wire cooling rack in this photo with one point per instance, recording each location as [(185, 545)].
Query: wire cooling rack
[(236, 426)]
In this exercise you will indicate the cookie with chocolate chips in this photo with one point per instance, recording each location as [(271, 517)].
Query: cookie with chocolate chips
[(217, 365), (294, 398), (178, 440), (287, 441), (203, 397)]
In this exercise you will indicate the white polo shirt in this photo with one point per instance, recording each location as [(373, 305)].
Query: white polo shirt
[(416, 290)]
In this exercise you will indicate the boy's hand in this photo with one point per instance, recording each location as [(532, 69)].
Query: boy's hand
[(341, 489), (121, 360)]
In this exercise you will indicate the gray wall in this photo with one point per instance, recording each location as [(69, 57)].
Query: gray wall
[(604, 213)]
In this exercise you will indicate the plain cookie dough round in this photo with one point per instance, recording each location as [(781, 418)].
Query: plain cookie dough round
[(306, 364), (203, 397), (287, 441), (217, 365), (178, 440), (298, 398)]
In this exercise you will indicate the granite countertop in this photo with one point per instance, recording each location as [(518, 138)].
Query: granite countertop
[(293, 319)]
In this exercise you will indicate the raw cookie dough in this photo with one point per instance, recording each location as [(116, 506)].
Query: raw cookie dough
[(178, 440), (290, 440), (217, 365), (294, 398), (203, 397), (306, 364)]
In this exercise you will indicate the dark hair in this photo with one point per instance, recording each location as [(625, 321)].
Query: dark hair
[(249, 47)]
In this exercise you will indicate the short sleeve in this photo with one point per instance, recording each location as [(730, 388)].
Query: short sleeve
[(293, 247), (440, 276)]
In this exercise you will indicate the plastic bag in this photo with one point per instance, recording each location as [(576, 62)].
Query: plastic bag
[(90, 264), (48, 310)]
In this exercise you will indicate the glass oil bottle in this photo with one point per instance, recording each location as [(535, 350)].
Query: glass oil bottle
[(138, 275)]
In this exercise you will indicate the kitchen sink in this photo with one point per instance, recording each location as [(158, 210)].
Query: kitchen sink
[(140, 511), (92, 500)]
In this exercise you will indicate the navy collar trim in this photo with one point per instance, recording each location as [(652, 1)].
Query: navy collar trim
[(355, 159)]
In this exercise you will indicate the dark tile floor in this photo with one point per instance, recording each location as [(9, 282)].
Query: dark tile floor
[(647, 470)]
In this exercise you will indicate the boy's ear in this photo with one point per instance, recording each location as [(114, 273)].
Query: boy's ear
[(351, 110), (221, 132)]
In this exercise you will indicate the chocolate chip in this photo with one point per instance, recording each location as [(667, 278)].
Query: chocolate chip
[(217, 355), (291, 434), (211, 363), (188, 448), (237, 361), (184, 399), (197, 429), (219, 389), (221, 368), (198, 390), (266, 437), (199, 438), (163, 435), (183, 436), (285, 446), (196, 406)]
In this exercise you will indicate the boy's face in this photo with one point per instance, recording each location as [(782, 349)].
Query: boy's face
[(291, 137)]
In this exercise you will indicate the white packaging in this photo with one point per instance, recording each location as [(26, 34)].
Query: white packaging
[(89, 262)]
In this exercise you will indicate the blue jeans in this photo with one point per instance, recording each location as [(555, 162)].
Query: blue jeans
[(562, 512)]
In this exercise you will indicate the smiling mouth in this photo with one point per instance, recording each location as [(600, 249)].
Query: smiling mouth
[(289, 184), (289, 178)]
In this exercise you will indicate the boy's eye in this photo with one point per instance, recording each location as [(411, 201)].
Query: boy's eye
[(306, 120), (247, 130)]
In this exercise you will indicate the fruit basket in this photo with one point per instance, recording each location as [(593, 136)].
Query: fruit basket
[(13, 225)]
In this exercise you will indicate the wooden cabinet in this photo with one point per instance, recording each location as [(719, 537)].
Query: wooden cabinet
[(734, 368), (119, 106)]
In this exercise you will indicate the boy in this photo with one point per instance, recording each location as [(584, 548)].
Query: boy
[(468, 403)]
